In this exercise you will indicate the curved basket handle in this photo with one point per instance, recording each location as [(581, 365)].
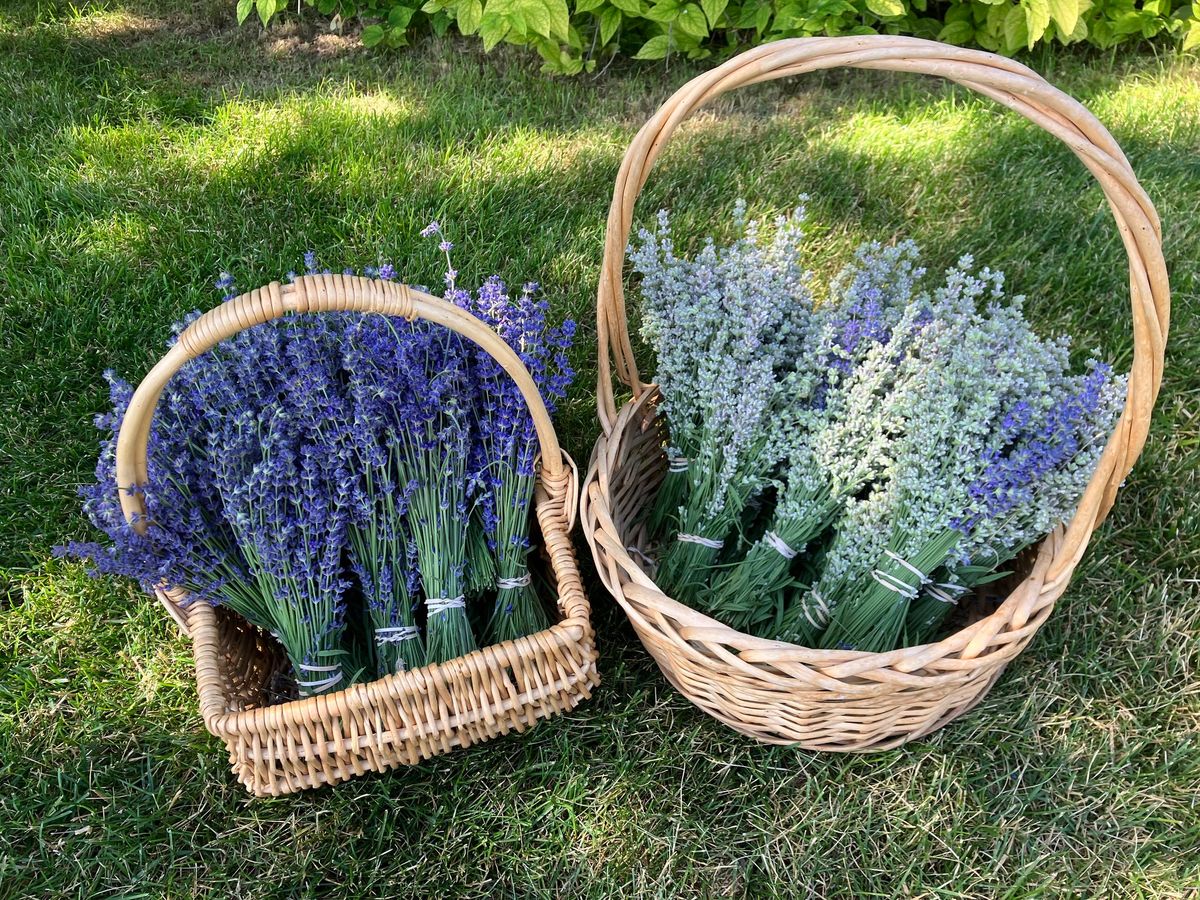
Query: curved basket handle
[(309, 293), (1005, 81)]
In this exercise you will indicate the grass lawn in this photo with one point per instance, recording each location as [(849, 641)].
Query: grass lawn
[(142, 150)]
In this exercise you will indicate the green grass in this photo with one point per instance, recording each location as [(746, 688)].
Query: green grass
[(144, 150)]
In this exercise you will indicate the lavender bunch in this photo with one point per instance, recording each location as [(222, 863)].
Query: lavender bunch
[(423, 378), (507, 441), (284, 482), (382, 551), (834, 437), (725, 327), (976, 369)]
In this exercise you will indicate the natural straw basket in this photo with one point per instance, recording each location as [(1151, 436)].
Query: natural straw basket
[(402, 718), (837, 700)]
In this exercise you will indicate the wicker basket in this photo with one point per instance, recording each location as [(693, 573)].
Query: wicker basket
[(844, 700), (403, 718)]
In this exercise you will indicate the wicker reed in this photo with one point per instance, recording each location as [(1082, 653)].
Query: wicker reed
[(835, 700), (287, 746)]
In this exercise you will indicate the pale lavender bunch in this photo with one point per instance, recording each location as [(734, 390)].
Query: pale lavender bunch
[(833, 435), (725, 328), (980, 373)]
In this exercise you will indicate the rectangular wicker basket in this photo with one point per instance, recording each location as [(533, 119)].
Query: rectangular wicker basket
[(278, 748)]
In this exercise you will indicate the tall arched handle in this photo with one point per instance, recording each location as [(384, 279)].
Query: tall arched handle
[(1005, 81), (308, 294)]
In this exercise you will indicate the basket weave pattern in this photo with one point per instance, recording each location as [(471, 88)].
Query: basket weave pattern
[(831, 699), (402, 718)]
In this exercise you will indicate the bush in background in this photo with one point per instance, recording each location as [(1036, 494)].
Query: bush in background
[(573, 40)]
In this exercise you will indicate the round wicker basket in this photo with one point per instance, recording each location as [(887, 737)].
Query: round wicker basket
[(403, 718), (844, 700)]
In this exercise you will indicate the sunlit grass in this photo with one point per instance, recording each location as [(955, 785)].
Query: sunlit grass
[(149, 148)]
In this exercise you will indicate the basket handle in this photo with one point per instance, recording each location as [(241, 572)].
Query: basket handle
[(1008, 83), (309, 294)]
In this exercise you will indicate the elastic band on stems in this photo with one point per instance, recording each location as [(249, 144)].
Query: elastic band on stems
[(436, 605), (520, 581), (821, 610), (779, 545), (945, 592), (892, 583), (397, 634), (897, 558), (677, 463), (702, 541), (316, 687)]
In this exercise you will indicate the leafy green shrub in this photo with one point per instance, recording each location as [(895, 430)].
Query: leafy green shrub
[(575, 40)]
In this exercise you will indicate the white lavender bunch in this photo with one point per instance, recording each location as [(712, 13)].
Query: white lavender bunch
[(725, 328), (963, 465), (833, 439)]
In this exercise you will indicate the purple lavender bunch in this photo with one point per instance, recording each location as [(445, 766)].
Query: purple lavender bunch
[(283, 477), (507, 445), (420, 373), (382, 550)]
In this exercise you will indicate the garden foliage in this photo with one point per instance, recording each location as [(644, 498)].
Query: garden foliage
[(576, 36)]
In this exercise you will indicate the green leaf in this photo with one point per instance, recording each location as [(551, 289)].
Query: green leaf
[(1016, 31), (959, 32), (1065, 14), (493, 28), (440, 23), (610, 21), (1191, 40), (692, 21), (470, 14), (713, 9), (400, 16), (886, 8), (535, 17), (1037, 20), (326, 7), (762, 17), (560, 18), (655, 48), (663, 11), (244, 8), (266, 9), (372, 35), (582, 6)]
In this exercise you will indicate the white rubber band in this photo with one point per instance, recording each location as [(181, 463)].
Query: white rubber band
[(507, 584), (315, 687), (946, 593), (894, 584), (897, 558), (702, 541), (677, 463), (396, 634), (645, 559), (436, 605), (822, 610), (779, 545)]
